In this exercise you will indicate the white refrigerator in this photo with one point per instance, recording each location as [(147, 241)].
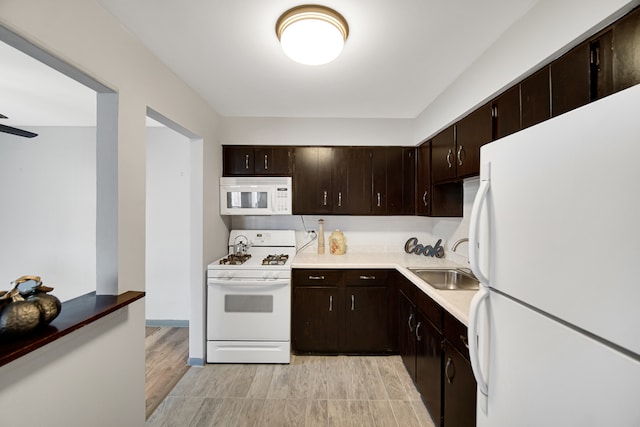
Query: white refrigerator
[(555, 240)]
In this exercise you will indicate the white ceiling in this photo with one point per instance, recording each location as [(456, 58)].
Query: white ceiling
[(400, 55)]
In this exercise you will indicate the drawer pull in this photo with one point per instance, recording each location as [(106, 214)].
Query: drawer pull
[(330, 302), (353, 302), (367, 277), (316, 277), (465, 340)]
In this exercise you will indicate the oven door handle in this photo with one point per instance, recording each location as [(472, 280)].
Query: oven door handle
[(241, 283)]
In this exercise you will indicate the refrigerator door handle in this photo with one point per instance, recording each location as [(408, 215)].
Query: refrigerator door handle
[(478, 299), (474, 225)]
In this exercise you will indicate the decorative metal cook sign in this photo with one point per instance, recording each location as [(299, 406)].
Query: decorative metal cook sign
[(413, 247)]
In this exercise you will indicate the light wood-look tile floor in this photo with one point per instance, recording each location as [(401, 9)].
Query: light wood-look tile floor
[(311, 391), (167, 351)]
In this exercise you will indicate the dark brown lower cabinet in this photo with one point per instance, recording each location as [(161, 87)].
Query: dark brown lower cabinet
[(432, 344), (341, 311), (428, 376), (406, 332), (315, 319), (366, 314), (459, 389)]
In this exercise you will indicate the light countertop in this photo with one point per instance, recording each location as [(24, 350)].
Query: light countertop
[(455, 302)]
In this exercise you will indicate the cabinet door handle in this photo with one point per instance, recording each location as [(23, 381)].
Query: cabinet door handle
[(424, 198), (460, 155), (353, 302), (330, 302), (246, 161), (266, 162), (378, 199), (316, 277), (446, 370), (340, 199), (367, 277), (409, 322), (324, 198), (449, 156), (465, 340), (418, 331)]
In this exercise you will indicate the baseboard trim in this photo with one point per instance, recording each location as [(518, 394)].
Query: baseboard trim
[(195, 361), (167, 323)]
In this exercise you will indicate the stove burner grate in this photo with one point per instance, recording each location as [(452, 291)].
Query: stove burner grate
[(235, 259), (279, 259)]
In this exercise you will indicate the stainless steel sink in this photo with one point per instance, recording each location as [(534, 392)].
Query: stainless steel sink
[(450, 279)]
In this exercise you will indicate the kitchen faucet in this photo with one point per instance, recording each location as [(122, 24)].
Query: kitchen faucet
[(457, 243)]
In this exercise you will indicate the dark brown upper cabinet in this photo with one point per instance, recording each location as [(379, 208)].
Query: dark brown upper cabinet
[(408, 181), (455, 152), (423, 179), (626, 51), (443, 156), (601, 58), (312, 189), (351, 176), (506, 113), (388, 180), (242, 160), (535, 98), (570, 80), (472, 132)]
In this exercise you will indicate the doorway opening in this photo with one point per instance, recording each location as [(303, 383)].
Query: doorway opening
[(173, 248)]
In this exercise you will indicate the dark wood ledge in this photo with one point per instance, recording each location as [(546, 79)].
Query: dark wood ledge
[(75, 314)]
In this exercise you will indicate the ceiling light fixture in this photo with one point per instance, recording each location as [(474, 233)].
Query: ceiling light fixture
[(312, 34)]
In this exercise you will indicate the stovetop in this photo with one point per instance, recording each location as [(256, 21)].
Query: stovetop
[(258, 250)]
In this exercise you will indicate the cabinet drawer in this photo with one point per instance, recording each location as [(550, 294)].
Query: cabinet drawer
[(430, 308), (456, 333), (320, 277), (366, 277)]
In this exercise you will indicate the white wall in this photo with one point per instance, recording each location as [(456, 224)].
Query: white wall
[(48, 215), (549, 29), (297, 131), (168, 225), (91, 377), (84, 35)]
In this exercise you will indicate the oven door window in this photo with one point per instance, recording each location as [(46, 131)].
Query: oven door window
[(247, 199), (248, 303)]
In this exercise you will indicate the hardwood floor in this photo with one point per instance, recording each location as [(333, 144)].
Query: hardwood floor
[(311, 391), (166, 353)]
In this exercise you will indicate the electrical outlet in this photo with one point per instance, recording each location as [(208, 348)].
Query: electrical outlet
[(310, 234)]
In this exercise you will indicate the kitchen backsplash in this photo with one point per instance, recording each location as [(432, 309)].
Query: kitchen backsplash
[(376, 233)]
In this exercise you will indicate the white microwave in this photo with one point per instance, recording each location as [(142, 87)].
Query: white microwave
[(255, 196)]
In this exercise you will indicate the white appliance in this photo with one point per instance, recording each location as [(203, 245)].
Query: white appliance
[(554, 332), (255, 195), (249, 299)]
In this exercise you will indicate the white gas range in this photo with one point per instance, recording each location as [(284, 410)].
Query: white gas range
[(249, 299)]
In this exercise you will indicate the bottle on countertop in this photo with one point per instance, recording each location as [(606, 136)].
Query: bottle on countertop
[(321, 236)]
